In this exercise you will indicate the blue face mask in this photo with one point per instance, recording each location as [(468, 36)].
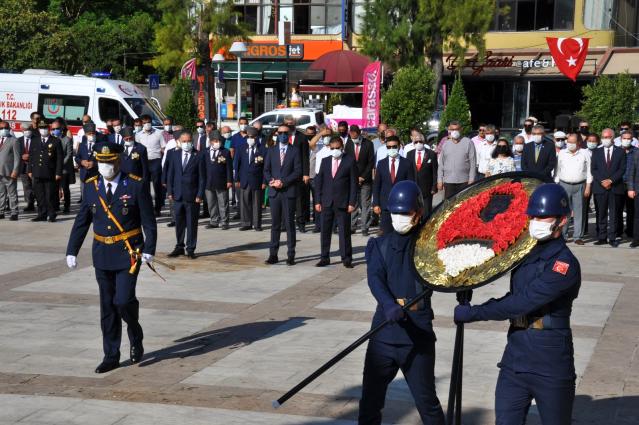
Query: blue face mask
[(282, 139), (56, 132)]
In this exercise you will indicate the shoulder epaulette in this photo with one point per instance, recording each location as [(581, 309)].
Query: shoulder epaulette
[(91, 179), (136, 178)]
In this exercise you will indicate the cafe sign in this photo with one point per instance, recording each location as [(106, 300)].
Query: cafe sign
[(476, 65)]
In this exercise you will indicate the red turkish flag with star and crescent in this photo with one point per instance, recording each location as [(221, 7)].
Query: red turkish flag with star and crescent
[(569, 54)]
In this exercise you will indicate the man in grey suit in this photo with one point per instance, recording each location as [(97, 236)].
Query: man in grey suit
[(632, 181), (9, 170)]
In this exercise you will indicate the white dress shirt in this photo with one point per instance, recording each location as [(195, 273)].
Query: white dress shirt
[(484, 155), (321, 154), (573, 167), (114, 183), (153, 141), (172, 144)]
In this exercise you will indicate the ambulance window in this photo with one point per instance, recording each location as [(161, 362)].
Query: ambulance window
[(111, 108), (71, 108)]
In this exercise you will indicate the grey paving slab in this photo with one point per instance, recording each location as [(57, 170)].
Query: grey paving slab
[(250, 285), (592, 307), (71, 411), (13, 261), (294, 350), (65, 340)]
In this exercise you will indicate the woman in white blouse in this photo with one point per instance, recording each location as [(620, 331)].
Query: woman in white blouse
[(502, 159)]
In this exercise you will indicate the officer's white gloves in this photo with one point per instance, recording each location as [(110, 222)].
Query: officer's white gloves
[(147, 258), (72, 262)]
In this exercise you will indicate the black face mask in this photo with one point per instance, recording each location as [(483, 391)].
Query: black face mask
[(583, 130), (502, 150), (343, 133), (528, 128)]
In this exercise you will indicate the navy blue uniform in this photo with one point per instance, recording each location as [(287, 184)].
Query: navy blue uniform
[(537, 363), (382, 185), (135, 161), (282, 201), (132, 207), (409, 344), (185, 183), (249, 173)]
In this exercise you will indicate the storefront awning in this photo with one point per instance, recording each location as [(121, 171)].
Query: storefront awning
[(622, 60), (262, 70), (331, 89)]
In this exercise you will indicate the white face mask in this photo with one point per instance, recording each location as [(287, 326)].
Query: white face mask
[(606, 142), (455, 134), (147, 126), (540, 230), (215, 145), (5, 132), (117, 129), (106, 170), (28, 133), (187, 146), (226, 135), (137, 128), (357, 141), (250, 141), (559, 144), (419, 146), (200, 130), (519, 148), (168, 128), (402, 223), (490, 138), (128, 143), (626, 143), (243, 127), (592, 145), (537, 138), (572, 147), (336, 153), (393, 152), (44, 132)]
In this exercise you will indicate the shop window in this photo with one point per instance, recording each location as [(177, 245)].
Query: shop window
[(534, 15), (597, 14)]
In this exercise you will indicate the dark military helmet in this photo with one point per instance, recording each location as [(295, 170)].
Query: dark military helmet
[(405, 197), (548, 200)]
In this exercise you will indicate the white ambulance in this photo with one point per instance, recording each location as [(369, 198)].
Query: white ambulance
[(54, 94)]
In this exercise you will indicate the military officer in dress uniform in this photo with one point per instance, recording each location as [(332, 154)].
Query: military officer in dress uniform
[(125, 233), (133, 160), (409, 342), (45, 168), (538, 360)]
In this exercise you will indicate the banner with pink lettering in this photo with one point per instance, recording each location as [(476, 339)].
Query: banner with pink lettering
[(371, 98)]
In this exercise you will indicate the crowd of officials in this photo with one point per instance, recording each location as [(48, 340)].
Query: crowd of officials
[(317, 179)]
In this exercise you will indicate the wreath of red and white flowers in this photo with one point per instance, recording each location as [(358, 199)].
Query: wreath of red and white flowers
[(465, 240)]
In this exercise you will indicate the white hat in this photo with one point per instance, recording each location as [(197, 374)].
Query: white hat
[(559, 135)]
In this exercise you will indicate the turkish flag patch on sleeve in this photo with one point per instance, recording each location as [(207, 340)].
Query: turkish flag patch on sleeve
[(560, 267)]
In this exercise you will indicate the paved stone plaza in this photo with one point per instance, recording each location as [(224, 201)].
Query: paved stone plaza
[(226, 335)]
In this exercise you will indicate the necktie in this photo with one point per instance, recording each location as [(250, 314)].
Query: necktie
[(185, 161), (393, 170), (357, 152), (109, 193), (608, 157), (27, 143), (90, 147), (419, 160), (537, 149), (282, 154), (335, 165), (250, 154)]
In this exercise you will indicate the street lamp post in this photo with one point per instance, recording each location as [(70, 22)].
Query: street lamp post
[(218, 59), (238, 48)]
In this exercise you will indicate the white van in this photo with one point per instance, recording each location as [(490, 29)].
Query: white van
[(54, 94), (304, 117)]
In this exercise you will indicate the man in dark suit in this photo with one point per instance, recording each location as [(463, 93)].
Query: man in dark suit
[(27, 184), (390, 170), (283, 172), (185, 186), (45, 168), (302, 203), (133, 159), (249, 174), (124, 236), (335, 196), (116, 136), (608, 165), (219, 179), (85, 157), (200, 137), (539, 156), (632, 181), (423, 171), (363, 151)]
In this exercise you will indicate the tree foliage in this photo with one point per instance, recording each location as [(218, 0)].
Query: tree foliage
[(610, 101), (407, 32), (409, 101), (457, 108), (181, 106)]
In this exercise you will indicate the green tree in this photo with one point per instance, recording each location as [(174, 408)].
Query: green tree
[(457, 108), (181, 106), (409, 100), (407, 32), (610, 101)]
